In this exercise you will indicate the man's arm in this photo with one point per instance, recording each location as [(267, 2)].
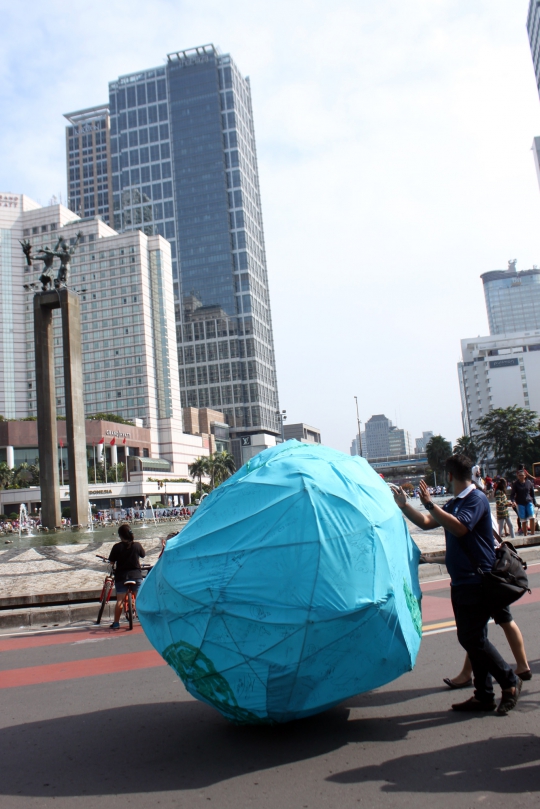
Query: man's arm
[(435, 517), (423, 521)]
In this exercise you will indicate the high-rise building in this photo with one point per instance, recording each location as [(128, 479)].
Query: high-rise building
[(355, 445), (130, 365), (420, 444), (512, 299), (89, 162), (184, 166), (533, 30), (498, 371), (384, 440)]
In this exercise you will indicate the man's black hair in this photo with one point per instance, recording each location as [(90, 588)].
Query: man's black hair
[(459, 466)]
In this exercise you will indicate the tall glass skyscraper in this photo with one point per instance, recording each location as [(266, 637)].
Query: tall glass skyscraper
[(184, 166), (88, 162), (512, 299)]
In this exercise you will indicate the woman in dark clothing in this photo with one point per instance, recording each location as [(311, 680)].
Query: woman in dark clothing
[(126, 556)]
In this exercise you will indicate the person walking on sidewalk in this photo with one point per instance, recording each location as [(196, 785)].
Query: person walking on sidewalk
[(501, 500), (466, 520), (522, 496)]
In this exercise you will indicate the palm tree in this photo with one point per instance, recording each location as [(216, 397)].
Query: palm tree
[(466, 446), (438, 449), (197, 469), (224, 465)]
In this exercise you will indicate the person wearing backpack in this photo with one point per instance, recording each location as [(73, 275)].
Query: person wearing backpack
[(470, 553)]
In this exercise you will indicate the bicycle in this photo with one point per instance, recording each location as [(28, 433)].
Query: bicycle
[(107, 588), (129, 599)]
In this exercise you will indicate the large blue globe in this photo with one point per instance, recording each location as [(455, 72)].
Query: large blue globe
[(293, 587)]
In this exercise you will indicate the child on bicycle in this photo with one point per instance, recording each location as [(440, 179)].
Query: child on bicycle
[(126, 555)]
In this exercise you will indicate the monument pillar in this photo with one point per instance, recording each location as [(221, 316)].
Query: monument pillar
[(55, 295), (46, 412), (68, 303), (75, 427)]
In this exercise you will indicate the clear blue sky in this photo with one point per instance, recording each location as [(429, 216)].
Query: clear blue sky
[(394, 151)]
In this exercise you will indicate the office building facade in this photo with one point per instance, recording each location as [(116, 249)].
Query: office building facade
[(130, 365), (498, 371), (184, 166), (512, 299), (384, 440), (89, 162), (359, 447)]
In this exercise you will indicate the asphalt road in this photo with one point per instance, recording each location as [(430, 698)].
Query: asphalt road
[(88, 717)]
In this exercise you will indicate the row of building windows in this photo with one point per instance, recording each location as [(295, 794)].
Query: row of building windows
[(138, 94)]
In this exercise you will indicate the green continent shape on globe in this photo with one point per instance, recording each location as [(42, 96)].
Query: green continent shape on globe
[(414, 607), (198, 672)]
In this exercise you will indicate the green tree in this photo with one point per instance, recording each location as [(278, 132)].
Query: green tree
[(508, 436), (198, 468), (6, 475), (99, 474), (466, 446), (438, 449), (119, 468)]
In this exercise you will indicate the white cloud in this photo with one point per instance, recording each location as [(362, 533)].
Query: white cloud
[(394, 150)]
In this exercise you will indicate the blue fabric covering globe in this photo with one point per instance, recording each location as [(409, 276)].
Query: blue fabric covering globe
[(293, 587)]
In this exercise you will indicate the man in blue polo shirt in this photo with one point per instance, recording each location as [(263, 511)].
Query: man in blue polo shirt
[(466, 520)]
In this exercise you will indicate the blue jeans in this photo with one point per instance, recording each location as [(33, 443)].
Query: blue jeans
[(472, 614)]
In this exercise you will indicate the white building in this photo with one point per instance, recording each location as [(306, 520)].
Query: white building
[(499, 371), (130, 362), (355, 449)]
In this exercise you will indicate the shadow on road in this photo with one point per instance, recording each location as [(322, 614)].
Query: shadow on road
[(478, 766), (172, 746)]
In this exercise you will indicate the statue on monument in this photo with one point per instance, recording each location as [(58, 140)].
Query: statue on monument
[(47, 256), (64, 253)]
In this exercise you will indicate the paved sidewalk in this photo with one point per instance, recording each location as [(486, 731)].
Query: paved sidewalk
[(58, 569)]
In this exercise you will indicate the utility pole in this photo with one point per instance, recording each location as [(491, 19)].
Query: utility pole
[(359, 447)]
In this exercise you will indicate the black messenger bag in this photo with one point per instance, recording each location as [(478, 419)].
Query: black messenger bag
[(507, 580)]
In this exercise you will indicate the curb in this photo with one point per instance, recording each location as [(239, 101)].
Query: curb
[(50, 599), (435, 570), (54, 616)]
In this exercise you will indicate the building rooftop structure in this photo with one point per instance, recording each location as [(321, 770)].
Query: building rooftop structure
[(302, 432)]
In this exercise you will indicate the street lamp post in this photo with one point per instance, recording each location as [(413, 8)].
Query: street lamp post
[(359, 447), (282, 417)]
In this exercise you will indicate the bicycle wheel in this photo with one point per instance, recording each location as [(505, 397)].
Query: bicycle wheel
[(106, 594), (130, 610)]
